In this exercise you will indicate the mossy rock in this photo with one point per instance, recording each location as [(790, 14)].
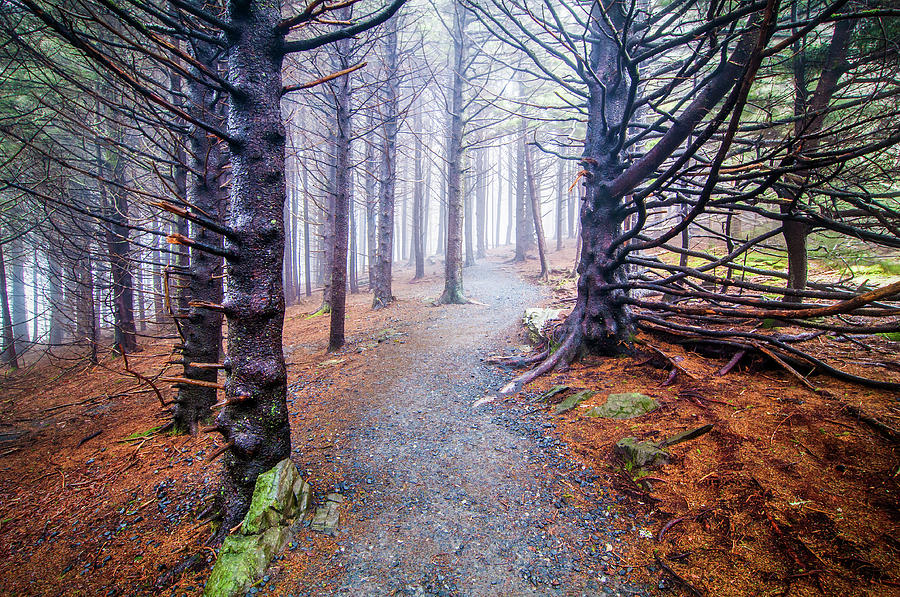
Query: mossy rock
[(275, 498), (624, 406), (639, 454), (279, 497), (553, 392), (242, 559), (574, 400)]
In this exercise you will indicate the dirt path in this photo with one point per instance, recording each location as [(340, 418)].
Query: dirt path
[(450, 499)]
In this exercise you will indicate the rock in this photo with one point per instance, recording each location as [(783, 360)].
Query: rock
[(327, 515), (279, 497), (574, 400), (624, 406), (276, 497), (638, 454), (553, 392), (536, 318), (242, 559)]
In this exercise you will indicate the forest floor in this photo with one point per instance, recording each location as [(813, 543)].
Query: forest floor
[(793, 492)]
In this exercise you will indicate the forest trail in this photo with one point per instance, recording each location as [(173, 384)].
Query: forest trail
[(445, 498)]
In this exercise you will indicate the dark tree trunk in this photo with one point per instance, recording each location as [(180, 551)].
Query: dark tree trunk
[(480, 205), (453, 263), (560, 202), (418, 215), (536, 214), (16, 257), (353, 259), (341, 193), (383, 295), (510, 192), (523, 226), (307, 266), (499, 196), (8, 353), (468, 223), (807, 129), (573, 223), (201, 328), (288, 247), (119, 247), (371, 205), (254, 421)]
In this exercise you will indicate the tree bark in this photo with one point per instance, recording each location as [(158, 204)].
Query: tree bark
[(418, 219), (118, 248), (560, 202), (201, 328), (9, 356), (16, 258), (536, 213), (383, 295), (341, 191), (254, 421), (480, 204), (453, 263), (807, 129)]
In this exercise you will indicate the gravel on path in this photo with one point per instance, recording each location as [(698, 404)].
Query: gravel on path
[(449, 499)]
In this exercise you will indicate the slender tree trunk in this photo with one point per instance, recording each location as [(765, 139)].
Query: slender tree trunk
[(371, 205), (522, 224), (536, 212), (560, 202), (480, 204), (288, 247), (453, 263), (353, 267), (341, 198), (468, 222), (383, 295), (57, 322), (16, 256), (510, 192), (807, 129), (307, 268), (499, 195), (201, 328), (119, 247), (9, 356), (418, 220), (34, 295), (255, 421)]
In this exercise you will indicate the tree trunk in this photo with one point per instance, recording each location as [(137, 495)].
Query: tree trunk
[(560, 202), (201, 329), (510, 192), (418, 221), (383, 295), (468, 222), (118, 247), (255, 421), (341, 189), (499, 196), (9, 356), (353, 263), (307, 267), (288, 275), (480, 204), (453, 263), (536, 212), (522, 223), (371, 205), (16, 257), (807, 128)]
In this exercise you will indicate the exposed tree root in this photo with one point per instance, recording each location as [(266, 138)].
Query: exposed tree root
[(561, 358), (519, 361)]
